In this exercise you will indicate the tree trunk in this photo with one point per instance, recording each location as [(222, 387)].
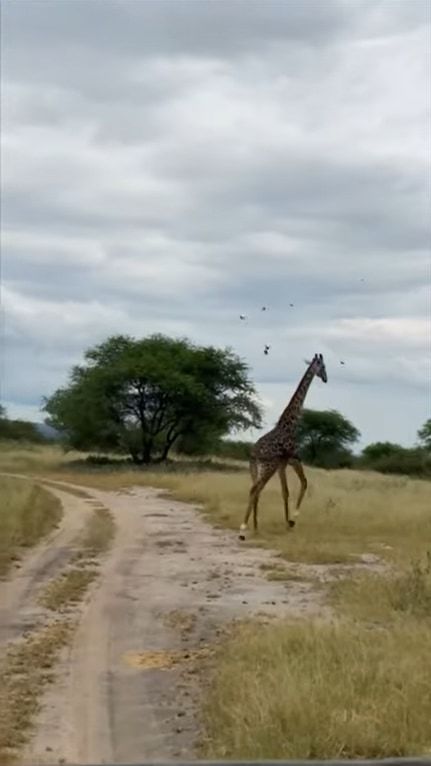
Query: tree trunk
[(142, 457), (147, 449), (168, 445)]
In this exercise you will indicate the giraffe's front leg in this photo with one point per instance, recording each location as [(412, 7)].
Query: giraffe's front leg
[(253, 500), (297, 467), (250, 507), (285, 493)]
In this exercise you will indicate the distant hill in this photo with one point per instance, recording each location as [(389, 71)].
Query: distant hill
[(47, 432)]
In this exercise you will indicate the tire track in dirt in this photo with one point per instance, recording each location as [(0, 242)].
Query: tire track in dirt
[(170, 583), (19, 611)]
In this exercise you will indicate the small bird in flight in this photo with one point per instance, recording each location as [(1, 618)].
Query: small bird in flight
[(263, 308), (242, 316), (291, 305), (266, 349), (342, 362)]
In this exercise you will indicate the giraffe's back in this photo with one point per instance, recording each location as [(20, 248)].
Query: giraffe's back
[(274, 445)]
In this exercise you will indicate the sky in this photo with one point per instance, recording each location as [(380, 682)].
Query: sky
[(168, 165)]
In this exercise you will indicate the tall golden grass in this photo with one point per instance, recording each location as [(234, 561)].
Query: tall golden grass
[(319, 690), (344, 515), (27, 513), (356, 686)]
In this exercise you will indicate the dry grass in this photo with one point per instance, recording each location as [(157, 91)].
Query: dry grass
[(283, 573), (27, 513), (70, 587), (360, 687), (24, 672), (321, 691), (75, 491), (67, 589), (27, 667), (98, 533), (382, 600), (181, 621), (345, 513), (166, 660)]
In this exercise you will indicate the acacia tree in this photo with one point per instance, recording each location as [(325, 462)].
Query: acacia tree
[(141, 396), (324, 437)]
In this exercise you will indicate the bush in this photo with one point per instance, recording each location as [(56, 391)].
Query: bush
[(235, 450), (19, 430), (335, 458), (392, 458)]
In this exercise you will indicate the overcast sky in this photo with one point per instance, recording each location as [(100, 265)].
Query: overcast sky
[(171, 164)]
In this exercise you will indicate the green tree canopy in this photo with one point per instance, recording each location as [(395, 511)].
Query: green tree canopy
[(325, 436), (143, 395), (378, 450), (424, 434)]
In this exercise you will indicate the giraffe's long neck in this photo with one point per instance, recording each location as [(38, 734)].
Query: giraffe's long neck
[(293, 410)]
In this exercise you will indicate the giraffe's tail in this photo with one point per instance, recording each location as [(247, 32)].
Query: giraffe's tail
[(253, 469)]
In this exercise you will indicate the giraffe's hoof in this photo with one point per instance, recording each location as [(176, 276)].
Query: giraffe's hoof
[(241, 536), (291, 523)]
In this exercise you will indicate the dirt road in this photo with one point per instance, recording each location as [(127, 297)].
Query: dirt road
[(19, 610), (168, 584)]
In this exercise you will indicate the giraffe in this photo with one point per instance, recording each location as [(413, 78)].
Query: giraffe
[(275, 449)]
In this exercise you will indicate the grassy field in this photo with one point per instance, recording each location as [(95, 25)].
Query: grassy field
[(306, 690), (344, 515), (357, 686), (27, 513)]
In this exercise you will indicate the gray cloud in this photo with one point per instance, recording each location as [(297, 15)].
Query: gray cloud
[(154, 28), (167, 166)]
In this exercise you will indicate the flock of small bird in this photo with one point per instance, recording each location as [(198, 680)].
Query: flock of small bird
[(267, 347)]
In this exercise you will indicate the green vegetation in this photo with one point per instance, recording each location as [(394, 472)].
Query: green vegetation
[(424, 434), (27, 513), (18, 430), (142, 396), (386, 457), (324, 439), (233, 450)]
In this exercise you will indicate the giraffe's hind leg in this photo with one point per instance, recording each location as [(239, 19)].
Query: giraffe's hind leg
[(285, 493), (265, 473), (297, 467)]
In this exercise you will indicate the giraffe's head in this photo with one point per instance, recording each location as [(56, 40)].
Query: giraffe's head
[(317, 365)]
